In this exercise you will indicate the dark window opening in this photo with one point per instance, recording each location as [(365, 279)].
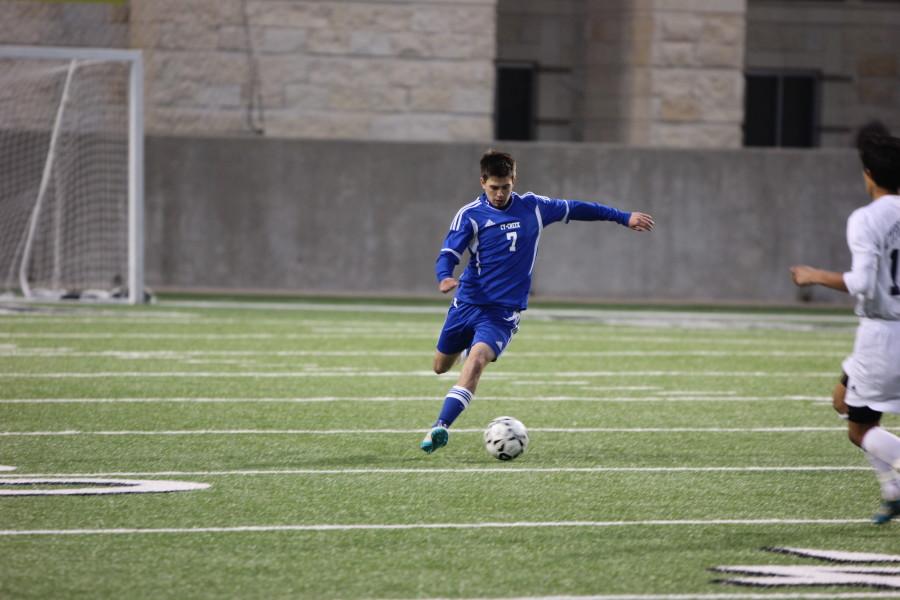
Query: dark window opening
[(515, 93), (781, 109)]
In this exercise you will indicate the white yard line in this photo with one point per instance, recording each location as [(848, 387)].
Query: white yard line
[(199, 336), (544, 313), (351, 399), (52, 351), (727, 393), (714, 596), (504, 470), (182, 354), (63, 314), (17, 486), (427, 526), (608, 388), (368, 308), (362, 307), (356, 373), (74, 432), (845, 346), (199, 319)]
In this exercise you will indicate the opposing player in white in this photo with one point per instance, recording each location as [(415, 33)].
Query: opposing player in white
[(870, 384)]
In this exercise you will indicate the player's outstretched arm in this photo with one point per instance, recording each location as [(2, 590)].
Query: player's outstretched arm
[(640, 222), (447, 284), (805, 275)]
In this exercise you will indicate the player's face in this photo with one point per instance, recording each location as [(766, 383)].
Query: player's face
[(497, 190)]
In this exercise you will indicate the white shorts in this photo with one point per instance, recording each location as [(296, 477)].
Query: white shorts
[(874, 367)]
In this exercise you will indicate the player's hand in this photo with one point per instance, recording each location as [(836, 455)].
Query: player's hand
[(447, 284), (640, 222), (803, 275)]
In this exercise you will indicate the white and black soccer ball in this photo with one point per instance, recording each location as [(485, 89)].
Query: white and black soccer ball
[(505, 438)]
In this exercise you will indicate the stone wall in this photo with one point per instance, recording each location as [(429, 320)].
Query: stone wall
[(640, 72), (637, 72), (549, 36), (31, 23), (361, 69), (364, 69), (853, 45)]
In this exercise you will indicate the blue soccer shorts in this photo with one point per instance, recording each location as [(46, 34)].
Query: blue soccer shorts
[(468, 324)]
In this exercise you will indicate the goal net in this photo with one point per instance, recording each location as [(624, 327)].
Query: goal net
[(71, 178)]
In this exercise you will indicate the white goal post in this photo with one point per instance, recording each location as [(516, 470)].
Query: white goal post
[(71, 173)]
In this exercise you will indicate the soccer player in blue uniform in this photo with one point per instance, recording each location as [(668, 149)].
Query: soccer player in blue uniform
[(501, 231)]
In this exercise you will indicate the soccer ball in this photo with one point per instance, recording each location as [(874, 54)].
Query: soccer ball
[(505, 438)]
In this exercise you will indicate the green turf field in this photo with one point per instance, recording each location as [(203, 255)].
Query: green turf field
[(663, 444)]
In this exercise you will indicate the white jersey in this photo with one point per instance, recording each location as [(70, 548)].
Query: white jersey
[(873, 234)]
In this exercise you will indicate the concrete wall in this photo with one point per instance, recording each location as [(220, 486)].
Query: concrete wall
[(369, 217)]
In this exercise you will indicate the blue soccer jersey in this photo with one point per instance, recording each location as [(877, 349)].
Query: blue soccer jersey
[(503, 244)]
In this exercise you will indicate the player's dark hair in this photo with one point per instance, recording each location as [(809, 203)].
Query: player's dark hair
[(497, 164), (879, 152)]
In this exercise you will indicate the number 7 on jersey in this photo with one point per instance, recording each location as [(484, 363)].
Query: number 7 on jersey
[(512, 236)]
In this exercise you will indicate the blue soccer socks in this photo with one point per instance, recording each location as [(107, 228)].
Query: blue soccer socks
[(457, 400)]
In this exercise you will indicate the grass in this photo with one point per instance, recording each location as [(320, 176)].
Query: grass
[(642, 426)]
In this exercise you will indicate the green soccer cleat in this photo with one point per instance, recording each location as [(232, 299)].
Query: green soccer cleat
[(889, 509), (434, 439)]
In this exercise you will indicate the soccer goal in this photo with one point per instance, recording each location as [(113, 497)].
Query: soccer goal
[(71, 174)]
